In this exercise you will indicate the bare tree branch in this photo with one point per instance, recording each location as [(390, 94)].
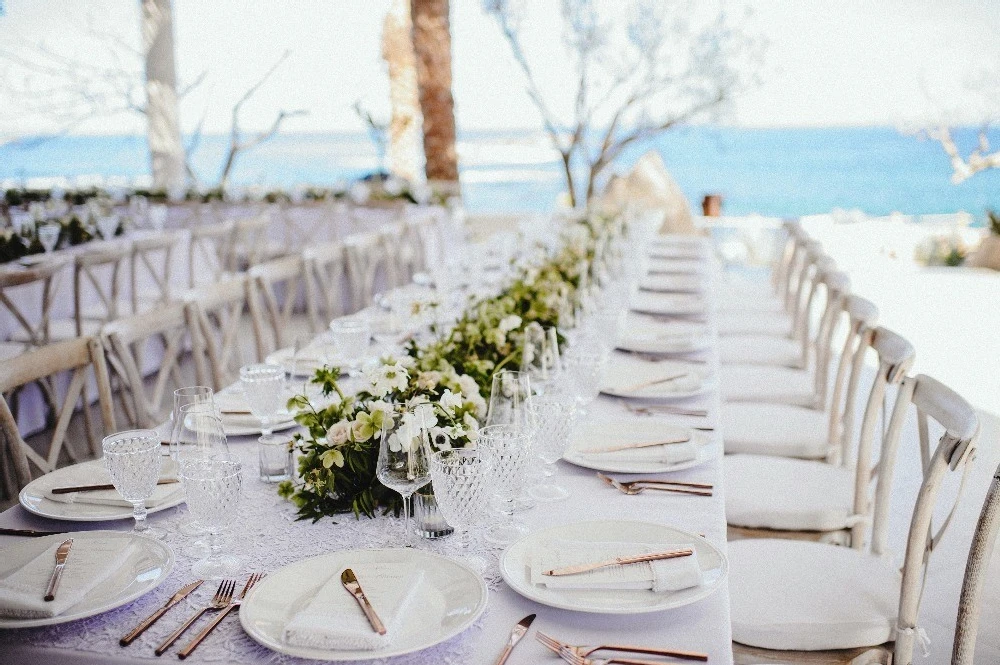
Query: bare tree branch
[(963, 168)]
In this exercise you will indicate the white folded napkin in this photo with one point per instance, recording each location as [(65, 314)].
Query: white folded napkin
[(91, 562), (333, 619), (236, 401), (95, 473), (670, 453), (668, 303), (684, 384), (657, 576)]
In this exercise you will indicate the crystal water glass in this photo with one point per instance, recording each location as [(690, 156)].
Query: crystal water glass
[(264, 389), (351, 338), (133, 460), (509, 448), (585, 369), (553, 415), (510, 398), (463, 480), (212, 487), (403, 465), (274, 454), (107, 226), (48, 236)]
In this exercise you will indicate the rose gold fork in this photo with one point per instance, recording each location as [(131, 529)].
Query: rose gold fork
[(219, 602), (584, 651), (631, 489), (233, 605), (574, 659)]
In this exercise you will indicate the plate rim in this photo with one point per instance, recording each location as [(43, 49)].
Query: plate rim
[(302, 652), (707, 590), (125, 515), (705, 455), (168, 567)]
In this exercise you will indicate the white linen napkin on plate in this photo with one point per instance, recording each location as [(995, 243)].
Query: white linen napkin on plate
[(333, 619), (94, 473), (91, 562), (624, 384), (670, 453), (235, 400), (658, 576)]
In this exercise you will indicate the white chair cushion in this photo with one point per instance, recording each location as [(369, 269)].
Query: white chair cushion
[(783, 430), (778, 324), (760, 350), (805, 596), (787, 494), (766, 383)]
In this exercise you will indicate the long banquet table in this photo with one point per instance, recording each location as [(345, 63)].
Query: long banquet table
[(269, 537)]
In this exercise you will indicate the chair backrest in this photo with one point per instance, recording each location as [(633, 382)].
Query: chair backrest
[(249, 242), (127, 342), (98, 270), (214, 316), (954, 452), (364, 255), (41, 366), (980, 552), (789, 238), (276, 288), (152, 258), (835, 287), (793, 273), (326, 269), (305, 224), (208, 252), (34, 327), (394, 255), (862, 316)]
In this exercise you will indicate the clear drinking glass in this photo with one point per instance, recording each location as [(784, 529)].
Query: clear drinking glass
[(274, 453), (133, 460), (403, 463), (107, 226), (540, 355), (585, 369), (462, 479), (264, 389), (351, 338), (509, 447), (183, 397), (510, 397), (197, 431), (48, 235), (212, 487), (553, 415)]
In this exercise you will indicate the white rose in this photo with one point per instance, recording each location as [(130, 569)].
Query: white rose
[(450, 401), (508, 323), (339, 433)]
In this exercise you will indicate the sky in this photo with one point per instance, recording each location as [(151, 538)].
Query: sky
[(843, 63)]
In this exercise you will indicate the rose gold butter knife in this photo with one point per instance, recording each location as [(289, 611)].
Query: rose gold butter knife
[(619, 561), (62, 553), (516, 634), (350, 582)]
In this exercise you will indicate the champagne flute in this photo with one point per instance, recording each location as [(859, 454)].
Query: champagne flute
[(403, 462), (133, 460), (510, 399), (540, 355)]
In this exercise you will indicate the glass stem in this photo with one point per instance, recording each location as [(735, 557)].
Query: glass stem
[(407, 532), (139, 514)]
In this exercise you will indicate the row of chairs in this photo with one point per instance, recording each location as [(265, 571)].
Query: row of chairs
[(808, 489), (138, 359)]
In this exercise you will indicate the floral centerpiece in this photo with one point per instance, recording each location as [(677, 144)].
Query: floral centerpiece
[(443, 383)]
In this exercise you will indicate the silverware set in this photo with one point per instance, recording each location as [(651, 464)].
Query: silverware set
[(639, 486), (222, 602)]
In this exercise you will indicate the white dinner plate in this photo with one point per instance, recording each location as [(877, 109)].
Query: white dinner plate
[(514, 568), (660, 266), (677, 252), (33, 497), (649, 302), (244, 424), (644, 335), (450, 598), (142, 572), (679, 240), (623, 372), (673, 283), (618, 431)]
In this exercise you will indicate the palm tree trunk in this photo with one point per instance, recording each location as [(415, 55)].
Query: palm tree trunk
[(166, 150), (405, 148), (432, 45)]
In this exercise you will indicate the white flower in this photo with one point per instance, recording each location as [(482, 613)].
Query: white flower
[(425, 414), (441, 437), (508, 323), (450, 401), (428, 380), (468, 385), (388, 377), (470, 422), (338, 433)]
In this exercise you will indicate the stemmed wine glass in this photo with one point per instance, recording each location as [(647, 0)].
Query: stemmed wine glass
[(48, 235), (510, 399), (184, 397), (540, 355), (264, 388), (350, 339), (462, 481), (107, 225), (212, 486), (553, 416), (133, 460), (403, 462), (585, 369), (509, 448)]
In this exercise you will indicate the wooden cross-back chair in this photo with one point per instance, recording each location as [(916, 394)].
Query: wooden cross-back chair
[(47, 364), (276, 289), (208, 252), (215, 320), (127, 342), (250, 244), (779, 497), (97, 278), (364, 255), (306, 224), (806, 602), (32, 329), (152, 258), (325, 269)]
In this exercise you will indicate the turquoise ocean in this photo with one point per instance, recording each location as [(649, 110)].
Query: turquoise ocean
[(779, 172)]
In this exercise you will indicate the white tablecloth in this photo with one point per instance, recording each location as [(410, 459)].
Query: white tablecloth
[(269, 537)]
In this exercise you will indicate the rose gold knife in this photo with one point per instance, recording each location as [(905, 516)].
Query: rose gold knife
[(62, 553), (350, 582), (619, 561), (637, 444), (516, 634), (97, 488), (155, 616)]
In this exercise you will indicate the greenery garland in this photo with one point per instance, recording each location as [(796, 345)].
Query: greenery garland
[(447, 378)]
